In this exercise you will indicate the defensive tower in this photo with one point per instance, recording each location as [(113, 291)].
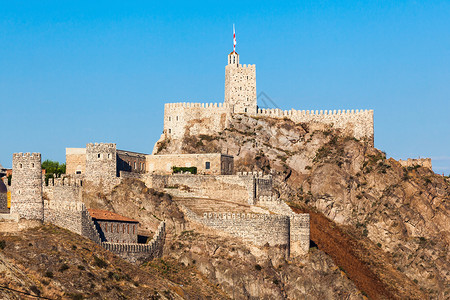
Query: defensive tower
[(26, 185), (240, 86), (101, 162)]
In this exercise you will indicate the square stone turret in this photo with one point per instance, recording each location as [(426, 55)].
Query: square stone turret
[(101, 162), (240, 86)]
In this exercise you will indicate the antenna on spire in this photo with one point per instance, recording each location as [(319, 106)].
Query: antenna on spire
[(234, 40)]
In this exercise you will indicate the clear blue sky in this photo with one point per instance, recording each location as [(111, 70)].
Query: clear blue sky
[(73, 72)]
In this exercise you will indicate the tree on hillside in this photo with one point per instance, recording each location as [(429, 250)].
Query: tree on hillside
[(53, 168)]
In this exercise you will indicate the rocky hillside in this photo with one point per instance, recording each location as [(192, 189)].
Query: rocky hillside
[(52, 263), (227, 263), (397, 217)]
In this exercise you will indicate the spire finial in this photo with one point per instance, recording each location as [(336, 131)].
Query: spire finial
[(234, 40)]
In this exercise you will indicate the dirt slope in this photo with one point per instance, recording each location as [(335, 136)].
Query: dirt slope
[(51, 262)]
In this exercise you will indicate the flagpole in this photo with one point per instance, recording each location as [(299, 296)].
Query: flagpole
[(234, 39)]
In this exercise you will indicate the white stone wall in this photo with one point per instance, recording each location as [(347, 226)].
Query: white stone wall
[(202, 118), (299, 234), (412, 162), (219, 164), (259, 229), (240, 88), (358, 124)]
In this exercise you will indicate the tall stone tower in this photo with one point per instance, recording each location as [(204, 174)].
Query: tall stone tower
[(26, 185), (101, 162), (240, 86)]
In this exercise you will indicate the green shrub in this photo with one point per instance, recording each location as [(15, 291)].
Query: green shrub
[(2, 244), (192, 170), (258, 267)]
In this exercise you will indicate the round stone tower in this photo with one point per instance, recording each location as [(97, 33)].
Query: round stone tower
[(26, 186)]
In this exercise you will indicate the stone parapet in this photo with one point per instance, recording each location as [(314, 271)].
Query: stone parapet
[(412, 162), (137, 253), (356, 123)]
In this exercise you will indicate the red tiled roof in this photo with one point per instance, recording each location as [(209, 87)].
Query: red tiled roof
[(101, 214)]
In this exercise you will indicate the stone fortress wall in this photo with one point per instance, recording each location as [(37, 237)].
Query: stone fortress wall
[(243, 188), (75, 160), (289, 230), (260, 229), (218, 164), (412, 162), (4, 195), (62, 204), (130, 161), (202, 118), (240, 97), (358, 124), (140, 252), (252, 189)]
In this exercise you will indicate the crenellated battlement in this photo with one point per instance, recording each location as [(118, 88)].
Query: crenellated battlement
[(230, 216), (357, 123), (293, 112), (241, 98), (66, 205), (27, 156), (247, 66), (99, 146), (197, 105), (140, 252), (256, 174), (272, 198), (412, 162), (69, 180)]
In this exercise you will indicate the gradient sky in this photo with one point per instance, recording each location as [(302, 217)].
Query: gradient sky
[(74, 72)]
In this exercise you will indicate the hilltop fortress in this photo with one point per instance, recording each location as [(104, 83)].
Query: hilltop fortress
[(205, 186), (241, 98)]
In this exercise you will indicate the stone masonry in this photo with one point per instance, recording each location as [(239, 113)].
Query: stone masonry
[(26, 186), (412, 162), (240, 98), (101, 164), (63, 204), (240, 86)]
